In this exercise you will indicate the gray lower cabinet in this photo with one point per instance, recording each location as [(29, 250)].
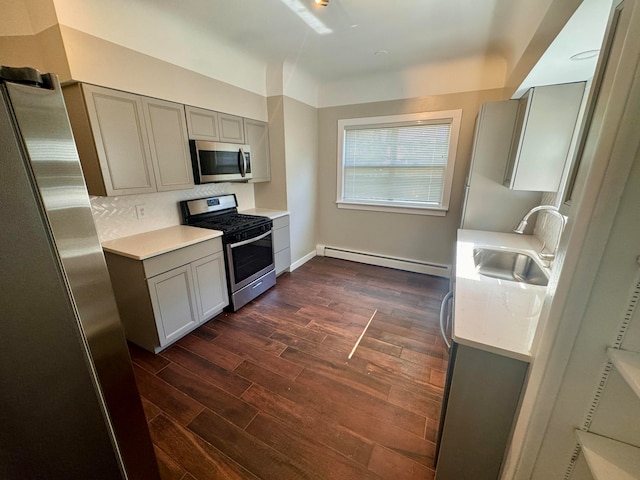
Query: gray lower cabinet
[(481, 400), (173, 299), (128, 144), (281, 244), (162, 298)]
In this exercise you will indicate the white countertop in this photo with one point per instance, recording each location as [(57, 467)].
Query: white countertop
[(497, 316), (265, 212), (156, 242)]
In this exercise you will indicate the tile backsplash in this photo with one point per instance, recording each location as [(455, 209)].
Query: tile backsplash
[(116, 217)]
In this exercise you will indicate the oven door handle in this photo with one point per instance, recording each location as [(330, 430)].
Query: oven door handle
[(243, 166), (444, 313), (250, 240)]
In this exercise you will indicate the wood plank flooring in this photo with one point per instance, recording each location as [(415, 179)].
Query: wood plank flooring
[(269, 393)]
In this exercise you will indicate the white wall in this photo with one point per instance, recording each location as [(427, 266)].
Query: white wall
[(466, 75), (95, 60), (301, 147), (421, 238), (26, 17), (150, 28)]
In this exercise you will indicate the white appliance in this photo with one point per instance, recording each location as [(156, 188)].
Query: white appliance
[(488, 205)]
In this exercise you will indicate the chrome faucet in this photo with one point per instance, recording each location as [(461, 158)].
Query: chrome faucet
[(556, 213)]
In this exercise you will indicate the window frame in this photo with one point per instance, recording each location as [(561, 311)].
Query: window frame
[(453, 117)]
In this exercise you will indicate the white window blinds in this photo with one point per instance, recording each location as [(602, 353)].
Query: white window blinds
[(396, 164)]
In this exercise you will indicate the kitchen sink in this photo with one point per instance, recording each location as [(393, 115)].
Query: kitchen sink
[(507, 265)]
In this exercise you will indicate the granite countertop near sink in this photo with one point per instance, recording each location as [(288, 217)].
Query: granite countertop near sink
[(498, 316), (156, 242)]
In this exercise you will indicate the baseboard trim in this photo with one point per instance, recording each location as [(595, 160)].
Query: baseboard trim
[(302, 261), (408, 265)]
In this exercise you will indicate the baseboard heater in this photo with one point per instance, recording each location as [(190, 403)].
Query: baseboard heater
[(385, 261)]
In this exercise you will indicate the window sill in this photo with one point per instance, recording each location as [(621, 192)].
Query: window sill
[(411, 210)]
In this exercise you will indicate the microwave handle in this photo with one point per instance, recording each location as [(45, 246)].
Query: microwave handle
[(243, 166)]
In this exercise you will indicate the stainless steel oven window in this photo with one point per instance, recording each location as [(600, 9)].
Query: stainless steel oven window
[(250, 259)]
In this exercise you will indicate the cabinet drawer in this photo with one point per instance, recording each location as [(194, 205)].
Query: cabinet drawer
[(281, 239), (167, 261), (282, 260), (280, 222)]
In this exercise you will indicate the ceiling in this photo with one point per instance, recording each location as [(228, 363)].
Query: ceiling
[(583, 33), (413, 32), (374, 36)]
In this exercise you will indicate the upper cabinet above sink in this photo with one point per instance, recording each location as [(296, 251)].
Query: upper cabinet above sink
[(545, 124)]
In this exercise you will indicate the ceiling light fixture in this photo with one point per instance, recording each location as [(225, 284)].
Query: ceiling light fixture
[(587, 54), (323, 3), (309, 18)]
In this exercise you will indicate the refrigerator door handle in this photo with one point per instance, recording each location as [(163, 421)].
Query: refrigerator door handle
[(443, 317)]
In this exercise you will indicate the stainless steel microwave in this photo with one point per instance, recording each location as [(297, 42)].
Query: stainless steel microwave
[(220, 162)]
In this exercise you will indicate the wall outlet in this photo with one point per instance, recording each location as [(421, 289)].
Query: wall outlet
[(141, 211)]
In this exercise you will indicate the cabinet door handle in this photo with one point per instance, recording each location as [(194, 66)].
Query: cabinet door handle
[(443, 317)]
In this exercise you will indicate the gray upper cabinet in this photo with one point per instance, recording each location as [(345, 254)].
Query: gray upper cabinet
[(112, 141), (128, 144), (545, 123), (257, 136), (169, 144), (214, 126), (231, 128), (202, 124)]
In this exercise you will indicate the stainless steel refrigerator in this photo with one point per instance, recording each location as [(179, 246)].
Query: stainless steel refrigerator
[(69, 406), (488, 204)]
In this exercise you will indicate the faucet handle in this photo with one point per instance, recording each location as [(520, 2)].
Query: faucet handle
[(546, 256)]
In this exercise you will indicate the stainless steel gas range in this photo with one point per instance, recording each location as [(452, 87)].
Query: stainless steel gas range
[(247, 241)]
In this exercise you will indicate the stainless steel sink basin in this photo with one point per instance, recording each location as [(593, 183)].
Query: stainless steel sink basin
[(506, 265)]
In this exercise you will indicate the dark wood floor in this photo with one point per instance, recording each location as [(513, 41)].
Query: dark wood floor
[(269, 393)]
